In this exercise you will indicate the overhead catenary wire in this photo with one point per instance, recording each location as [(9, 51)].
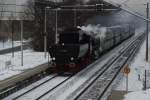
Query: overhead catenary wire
[(129, 11), (3, 4), (120, 7)]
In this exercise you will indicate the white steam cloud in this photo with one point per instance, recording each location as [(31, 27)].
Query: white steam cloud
[(95, 30)]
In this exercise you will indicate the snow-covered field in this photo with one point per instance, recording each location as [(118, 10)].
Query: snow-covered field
[(11, 66), (136, 77), (8, 44)]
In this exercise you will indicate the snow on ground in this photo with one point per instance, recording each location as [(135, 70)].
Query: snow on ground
[(138, 67), (8, 44), (136, 77), (11, 66), (140, 95)]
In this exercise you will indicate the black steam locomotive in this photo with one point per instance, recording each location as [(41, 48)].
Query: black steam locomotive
[(77, 47)]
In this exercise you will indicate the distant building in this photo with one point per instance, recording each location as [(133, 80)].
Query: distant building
[(11, 9)]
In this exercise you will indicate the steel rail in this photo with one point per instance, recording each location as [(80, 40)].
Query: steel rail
[(102, 74)]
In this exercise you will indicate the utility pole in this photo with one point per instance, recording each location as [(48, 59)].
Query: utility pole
[(11, 18), (147, 31), (45, 34), (56, 23), (21, 22), (75, 15), (45, 30), (12, 37)]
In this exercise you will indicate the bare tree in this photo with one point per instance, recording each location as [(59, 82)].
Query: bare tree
[(11, 23), (28, 10), (28, 13), (1, 15), (2, 34)]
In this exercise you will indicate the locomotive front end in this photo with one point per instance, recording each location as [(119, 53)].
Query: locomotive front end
[(63, 55), (67, 54)]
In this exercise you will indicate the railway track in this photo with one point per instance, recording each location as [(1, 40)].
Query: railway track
[(52, 88), (34, 86), (33, 93), (19, 81), (101, 78), (101, 84)]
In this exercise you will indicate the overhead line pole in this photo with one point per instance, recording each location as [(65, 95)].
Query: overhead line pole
[(12, 37), (45, 33), (75, 20), (147, 31), (56, 34), (21, 22)]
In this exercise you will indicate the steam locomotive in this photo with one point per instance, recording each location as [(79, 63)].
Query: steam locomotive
[(77, 47)]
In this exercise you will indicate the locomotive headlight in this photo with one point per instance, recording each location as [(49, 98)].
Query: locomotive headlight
[(53, 58), (71, 58)]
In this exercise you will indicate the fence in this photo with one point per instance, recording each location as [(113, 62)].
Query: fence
[(4, 65)]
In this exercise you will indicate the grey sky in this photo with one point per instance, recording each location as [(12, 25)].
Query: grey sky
[(135, 5)]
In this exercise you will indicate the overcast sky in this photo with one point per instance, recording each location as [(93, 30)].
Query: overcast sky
[(135, 5), (13, 1), (20, 1)]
